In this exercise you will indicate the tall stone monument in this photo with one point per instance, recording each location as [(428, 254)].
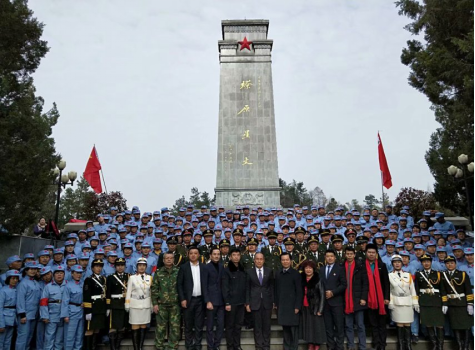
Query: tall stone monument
[(247, 172)]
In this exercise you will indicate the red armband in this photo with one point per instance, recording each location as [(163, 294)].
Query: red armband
[(44, 302)]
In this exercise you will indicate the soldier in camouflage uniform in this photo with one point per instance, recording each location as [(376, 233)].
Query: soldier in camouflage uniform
[(165, 303)]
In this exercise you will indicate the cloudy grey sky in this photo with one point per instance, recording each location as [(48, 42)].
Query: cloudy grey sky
[(140, 79)]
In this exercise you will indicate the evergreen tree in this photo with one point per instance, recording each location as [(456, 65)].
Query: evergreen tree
[(442, 69), (27, 151)]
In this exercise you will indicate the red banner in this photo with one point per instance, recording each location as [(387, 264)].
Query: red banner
[(91, 174), (383, 165)]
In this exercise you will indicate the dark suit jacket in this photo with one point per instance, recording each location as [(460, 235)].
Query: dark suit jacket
[(254, 289), (360, 286), (336, 282), (288, 297), (212, 284), (185, 281)]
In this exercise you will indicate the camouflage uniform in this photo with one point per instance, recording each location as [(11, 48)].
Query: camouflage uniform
[(165, 295)]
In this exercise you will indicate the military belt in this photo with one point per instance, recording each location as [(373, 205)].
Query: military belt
[(117, 296), (95, 297), (455, 296), (75, 304), (10, 307), (54, 301), (429, 291)]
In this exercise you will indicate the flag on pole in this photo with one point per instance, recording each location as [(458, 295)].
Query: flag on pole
[(91, 174), (383, 165)]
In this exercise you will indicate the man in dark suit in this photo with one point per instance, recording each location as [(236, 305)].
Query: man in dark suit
[(288, 300), (260, 300), (334, 283), (356, 298), (190, 291), (213, 298), (378, 295)]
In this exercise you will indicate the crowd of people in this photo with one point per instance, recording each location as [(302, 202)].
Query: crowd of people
[(326, 275)]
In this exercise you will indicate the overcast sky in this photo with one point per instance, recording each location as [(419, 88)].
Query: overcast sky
[(141, 81)]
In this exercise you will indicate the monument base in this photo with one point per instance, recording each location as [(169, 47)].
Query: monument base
[(232, 197)]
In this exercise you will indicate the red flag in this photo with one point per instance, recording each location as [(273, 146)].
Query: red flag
[(91, 174), (383, 165)]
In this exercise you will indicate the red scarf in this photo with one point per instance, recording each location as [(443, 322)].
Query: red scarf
[(375, 295), (349, 288)]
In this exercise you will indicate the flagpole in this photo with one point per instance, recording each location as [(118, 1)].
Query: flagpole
[(102, 174), (382, 182)]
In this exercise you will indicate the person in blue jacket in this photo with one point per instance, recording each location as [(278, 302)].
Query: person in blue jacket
[(71, 310), (46, 276), (7, 308), (28, 300), (50, 310)]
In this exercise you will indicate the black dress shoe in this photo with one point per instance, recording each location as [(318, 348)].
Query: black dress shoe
[(414, 339)]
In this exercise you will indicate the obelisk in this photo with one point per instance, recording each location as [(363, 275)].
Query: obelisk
[(247, 172)]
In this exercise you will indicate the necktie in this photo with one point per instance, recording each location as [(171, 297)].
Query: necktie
[(399, 274), (260, 277), (271, 249), (142, 277), (328, 270)]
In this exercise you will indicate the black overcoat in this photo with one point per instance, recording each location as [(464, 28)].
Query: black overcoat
[(288, 297)]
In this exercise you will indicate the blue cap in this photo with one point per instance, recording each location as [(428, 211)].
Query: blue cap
[(28, 256), (86, 245), (99, 251), (58, 251), (431, 243), (419, 246), (67, 243), (15, 273), (12, 259), (77, 268), (390, 242), (112, 253), (45, 270), (468, 250), (157, 240), (32, 265), (439, 215), (378, 235), (84, 256), (48, 246), (128, 245), (58, 268), (71, 257), (416, 234), (404, 253), (408, 240), (441, 249), (43, 253), (72, 235), (399, 245), (456, 247)]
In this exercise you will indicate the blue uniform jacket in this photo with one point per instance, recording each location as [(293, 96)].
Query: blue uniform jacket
[(72, 300), (7, 306), (28, 298), (50, 303)]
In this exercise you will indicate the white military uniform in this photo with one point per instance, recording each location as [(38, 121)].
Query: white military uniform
[(138, 300), (403, 297)]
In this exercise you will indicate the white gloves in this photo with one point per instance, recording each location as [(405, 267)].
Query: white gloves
[(470, 309), (126, 309), (88, 317), (417, 308), (444, 309), (391, 306), (108, 312)]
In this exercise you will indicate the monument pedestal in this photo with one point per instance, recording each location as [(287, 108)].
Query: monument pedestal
[(247, 171)]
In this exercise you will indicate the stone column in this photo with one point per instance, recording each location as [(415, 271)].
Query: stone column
[(247, 172)]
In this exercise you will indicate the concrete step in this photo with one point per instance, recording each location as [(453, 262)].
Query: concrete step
[(247, 343)]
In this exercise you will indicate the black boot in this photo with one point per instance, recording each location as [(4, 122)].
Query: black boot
[(120, 336), (94, 341), (407, 337), (440, 338), (466, 339), (143, 332), (112, 340), (400, 339), (432, 337), (136, 339), (87, 342), (458, 339)]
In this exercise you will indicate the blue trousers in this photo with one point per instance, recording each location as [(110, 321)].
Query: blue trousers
[(73, 334), (54, 336), (25, 334), (350, 319), (415, 324), (6, 338), (40, 336)]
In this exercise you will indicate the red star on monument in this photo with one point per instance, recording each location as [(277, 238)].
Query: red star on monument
[(245, 44)]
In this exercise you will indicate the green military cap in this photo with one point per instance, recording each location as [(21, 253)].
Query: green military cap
[(425, 257), (271, 234), (237, 232), (350, 232), (172, 240), (252, 241), (119, 261), (362, 239), (187, 232), (300, 230), (224, 243), (449, 259), (313, 238), (325, 232), (208, 233), (337, 238), (289, 241)]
